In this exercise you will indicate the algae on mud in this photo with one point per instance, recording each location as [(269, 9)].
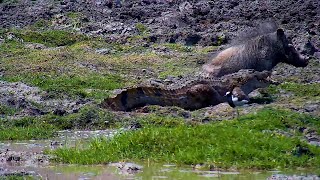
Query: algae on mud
[(252, 141)]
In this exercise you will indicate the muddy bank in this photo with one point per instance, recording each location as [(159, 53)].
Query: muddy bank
[(26, 100), (193, 22)]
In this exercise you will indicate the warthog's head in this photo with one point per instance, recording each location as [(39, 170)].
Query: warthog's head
[(291, 55)]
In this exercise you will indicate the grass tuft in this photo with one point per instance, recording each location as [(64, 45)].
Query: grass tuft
[(52, 38), (250, 142), (299, 90), (6, 110), (25, 128)]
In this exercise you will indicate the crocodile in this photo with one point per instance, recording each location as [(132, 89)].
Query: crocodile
[(197, 93)]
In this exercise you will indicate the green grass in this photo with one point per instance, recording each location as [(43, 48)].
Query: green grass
[(44, 127), (299, 90), (25, 128), (6, 110), (299, 94), (18, 177), (88, 118), (40, 24), (59, 71), (78, 70), (141, 28), (302, 90), (12, 48), (50, 38), (95, 86), (241, 143)]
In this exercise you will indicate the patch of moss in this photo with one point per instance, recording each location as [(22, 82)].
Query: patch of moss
[(41, 24), (52, 38), (11, 48), (74, 15), (6, 110), (242, 143), (46, 126), (95, 86), (300, 92), (89, 117), (141, 28)]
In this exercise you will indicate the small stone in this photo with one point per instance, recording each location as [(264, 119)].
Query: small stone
[(311, 107), (255, 94), (35, 46), (308, 48), (59, 112), (103, 51), (317, 55)]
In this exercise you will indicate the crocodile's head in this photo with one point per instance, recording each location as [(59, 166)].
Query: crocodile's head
[(255, 80)]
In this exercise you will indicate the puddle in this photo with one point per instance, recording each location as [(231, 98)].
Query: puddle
[(27, 158)]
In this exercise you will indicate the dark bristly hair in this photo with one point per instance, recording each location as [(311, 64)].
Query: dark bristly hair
[(261, 28)]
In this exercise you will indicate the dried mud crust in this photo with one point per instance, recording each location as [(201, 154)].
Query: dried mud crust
[(31, 101), (23, 158), (204, 22)]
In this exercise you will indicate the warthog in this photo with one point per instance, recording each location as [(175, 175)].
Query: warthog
[(262, 52)]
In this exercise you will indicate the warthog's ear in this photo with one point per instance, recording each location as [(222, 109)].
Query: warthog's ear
[(280, 33)]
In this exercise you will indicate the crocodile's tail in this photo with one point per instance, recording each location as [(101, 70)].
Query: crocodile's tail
[(191, 98)]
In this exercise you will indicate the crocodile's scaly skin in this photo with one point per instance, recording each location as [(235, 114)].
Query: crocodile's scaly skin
[(198, 93)]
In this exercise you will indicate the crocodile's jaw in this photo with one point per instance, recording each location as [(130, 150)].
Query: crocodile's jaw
[(254, 84)]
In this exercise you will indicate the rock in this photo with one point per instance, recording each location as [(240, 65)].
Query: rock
[(59, 112), (309, 49), (18, 103), (131, 167), (186, 8), (202, 8), (255, 94), (135, 126), (312, 107), (317, 55), (32, 111), (300, 150), (185, 114), (103, 51), (127, 168), (192, 39), (315, 143), (56, 143), (219, 112), (35, 46), (198, 166)]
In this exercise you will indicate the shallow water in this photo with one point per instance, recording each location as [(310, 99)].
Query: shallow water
[(149, 171)]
